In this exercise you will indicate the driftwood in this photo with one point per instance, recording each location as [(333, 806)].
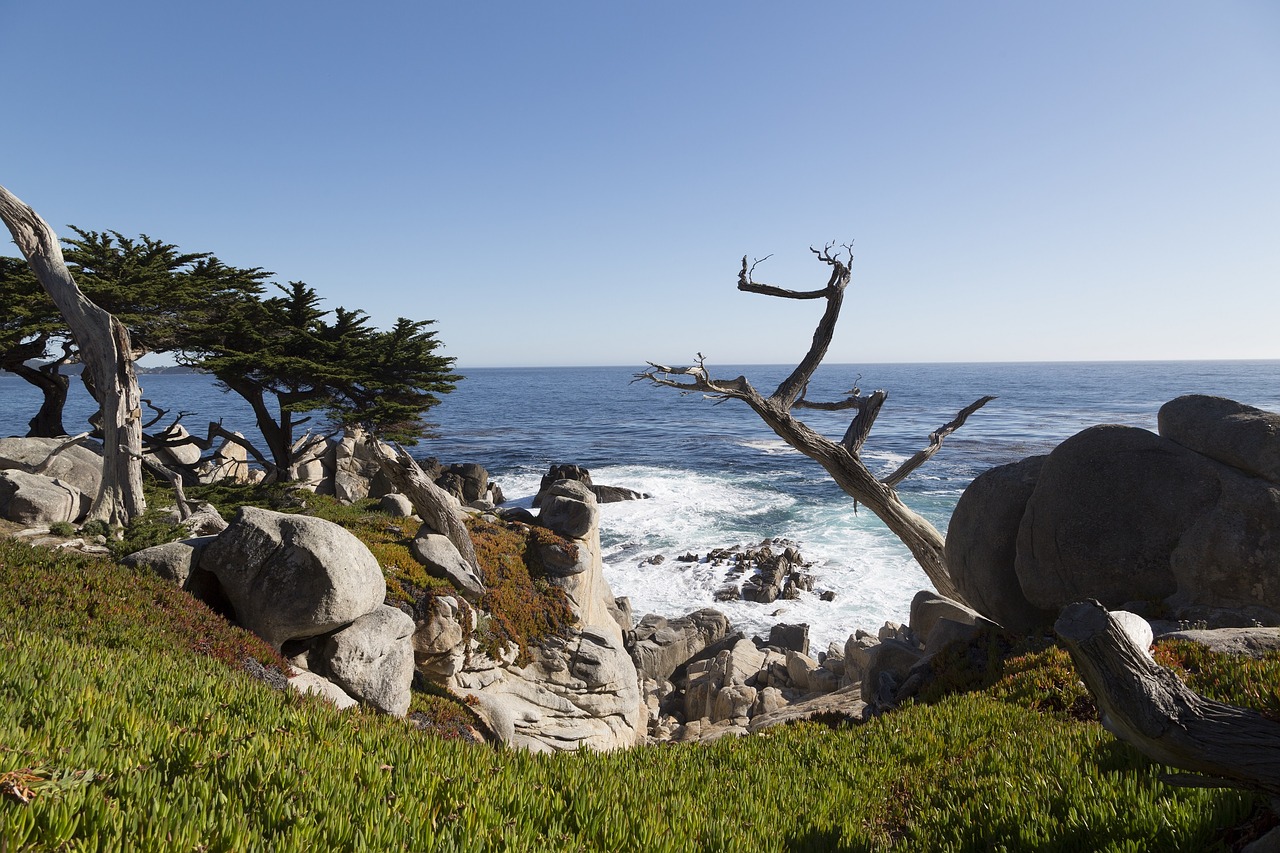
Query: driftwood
[(842, 459), (433, 504), (1146, 705), (106, 352)]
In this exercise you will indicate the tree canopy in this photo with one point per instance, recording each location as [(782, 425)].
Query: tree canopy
[(287, 356)]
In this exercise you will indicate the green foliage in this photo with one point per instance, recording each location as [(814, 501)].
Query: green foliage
[(522, 605), (62, 528), (1235, 679)]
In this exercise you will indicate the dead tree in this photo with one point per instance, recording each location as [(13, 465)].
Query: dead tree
[(842, 459), (1147, 706), (106, 352)]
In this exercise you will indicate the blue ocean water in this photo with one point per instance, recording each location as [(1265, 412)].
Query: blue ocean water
[(719, 477)]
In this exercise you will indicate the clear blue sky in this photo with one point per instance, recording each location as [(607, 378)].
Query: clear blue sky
[(576, 183)]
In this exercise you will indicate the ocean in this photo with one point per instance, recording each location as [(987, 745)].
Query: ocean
[(718, 477)]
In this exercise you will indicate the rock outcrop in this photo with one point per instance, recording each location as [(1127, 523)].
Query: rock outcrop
[(576, 473), (576, 691), (1181, 524), (33, 499)]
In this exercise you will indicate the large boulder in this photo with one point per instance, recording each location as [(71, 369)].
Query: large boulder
[(569, 508), (1226, 431), (982, 545), (172, 561), (34, 499), (79, 466), (1107, 512), (293, 576), (372, 659), (1183, 529)]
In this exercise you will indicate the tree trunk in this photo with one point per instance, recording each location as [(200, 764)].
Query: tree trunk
[(54, 386), (1146, 705), (433, 504), (105, 351)]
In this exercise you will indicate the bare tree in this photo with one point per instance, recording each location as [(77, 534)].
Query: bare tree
[(105, 350), (842, 459)]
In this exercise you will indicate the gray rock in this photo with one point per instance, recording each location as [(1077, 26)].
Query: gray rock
[(439, 640), (982, 540), (1226, 431), (34, 499), (372, 659), (793, 637), (1250, 642), (731, 702), (569, 508), (1107, 512), (79, 465), (181, 454), (306, 682), (396, 504), (293, 576), (615, 494), (173, 561), (891, 661), (845, 702), (927, 607), (659, 645), (799, 667), (442, 560)]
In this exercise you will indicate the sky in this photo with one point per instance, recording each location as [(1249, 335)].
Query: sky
[(572, 183)]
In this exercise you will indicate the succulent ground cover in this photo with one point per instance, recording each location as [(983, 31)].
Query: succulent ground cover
[(127, 721)]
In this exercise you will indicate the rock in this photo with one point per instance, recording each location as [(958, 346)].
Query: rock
[(732, 702), (229, 462), (1226, 431), (799, 666), (768, 700), (927, 607), (467, 481), (857, 657), (793, 637), (659, 645), (204, 520), (1250, 642), (569, 509), (181, 455), (1137, 629), (442, 560), (293, 576), (439, 640), (558, 473), (308, 682), (173, 561), (34, 499), (397, 505), (845, 703), (615, 494), (577, 692), (372, 659), (79, 466), (891, 658), (1106, 515), (823, 680), (981, 548)]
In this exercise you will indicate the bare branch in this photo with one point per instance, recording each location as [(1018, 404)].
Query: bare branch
[(860, 427), (935, 442)]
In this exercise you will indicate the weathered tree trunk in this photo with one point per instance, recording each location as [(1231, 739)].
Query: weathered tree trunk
[(842, 459), (53, 386), (433, 504), (105, 350), (1146, 705)]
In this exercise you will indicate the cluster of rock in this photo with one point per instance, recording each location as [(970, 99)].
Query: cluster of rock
[(603, 494), (702, 680), (1175, 526), (773, 569)]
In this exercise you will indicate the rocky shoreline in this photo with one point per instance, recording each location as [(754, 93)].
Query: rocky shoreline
[(1177, 528)]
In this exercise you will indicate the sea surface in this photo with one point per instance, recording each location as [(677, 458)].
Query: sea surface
[(718, 477)]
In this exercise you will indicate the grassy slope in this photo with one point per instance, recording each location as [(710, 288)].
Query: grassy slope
[(122, 723)]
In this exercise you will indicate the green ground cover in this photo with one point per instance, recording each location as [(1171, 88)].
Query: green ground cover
[(128, 722)]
